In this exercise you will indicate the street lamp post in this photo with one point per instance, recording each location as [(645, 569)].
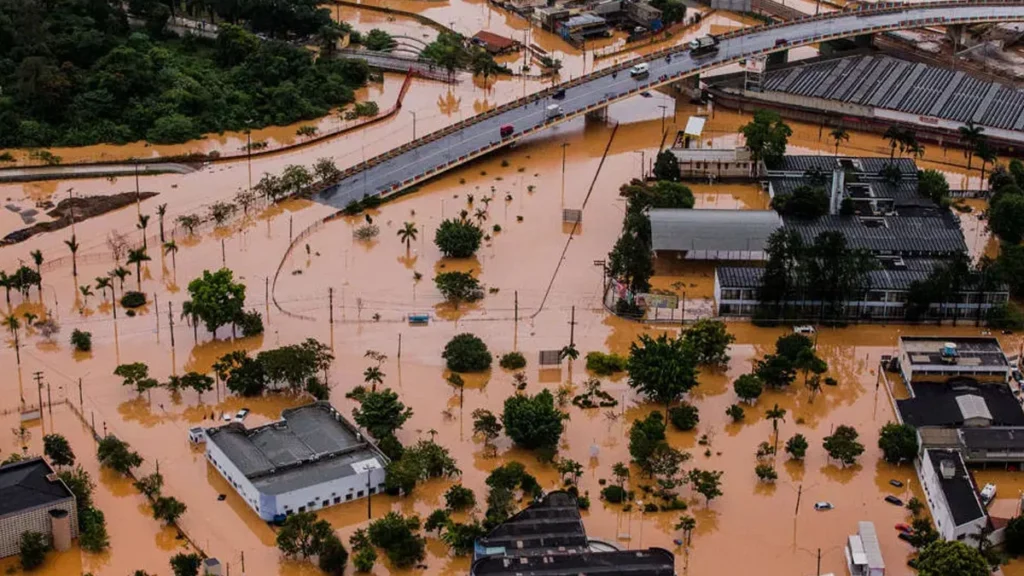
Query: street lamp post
[(643, 161), (663, 108), (564, 145), (248, 149), (413, 112)]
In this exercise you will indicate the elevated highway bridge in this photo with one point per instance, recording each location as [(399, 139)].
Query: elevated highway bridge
[(440, 151)]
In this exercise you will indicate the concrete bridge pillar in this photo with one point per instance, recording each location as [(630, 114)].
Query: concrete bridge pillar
[(600, 114), (955, 33)]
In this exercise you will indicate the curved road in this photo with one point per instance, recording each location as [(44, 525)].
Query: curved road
[(413, 163)]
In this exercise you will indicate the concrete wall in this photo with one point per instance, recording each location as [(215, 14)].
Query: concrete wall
[(234, 476), (337, 491), (33, 520)]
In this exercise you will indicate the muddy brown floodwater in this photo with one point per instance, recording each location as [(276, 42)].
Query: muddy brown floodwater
[(534, 259)]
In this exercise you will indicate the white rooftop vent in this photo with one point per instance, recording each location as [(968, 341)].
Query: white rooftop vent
[(947, 469)]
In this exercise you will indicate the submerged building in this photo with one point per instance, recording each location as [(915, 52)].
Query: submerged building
[(310, 459), (34, 499), (875, 204), (548, 539)]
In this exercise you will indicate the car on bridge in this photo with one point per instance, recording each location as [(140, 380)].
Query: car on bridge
[(640, 70)]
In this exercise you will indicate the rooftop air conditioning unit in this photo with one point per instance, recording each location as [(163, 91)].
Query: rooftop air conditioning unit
[(947, 469)]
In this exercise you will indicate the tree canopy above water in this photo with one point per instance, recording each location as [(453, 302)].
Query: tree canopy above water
[(73, 72)]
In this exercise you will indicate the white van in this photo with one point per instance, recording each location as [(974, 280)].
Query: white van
[(553, 111), (639, 70)]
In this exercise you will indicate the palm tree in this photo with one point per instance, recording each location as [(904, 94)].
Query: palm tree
[(142, 225), (569, 352), (103, 284), (30, 319), (775, 414), (839, 135), (483, 64), (373, 376), (37, 257), (895, 135), (480, 215), (121, 273), (171, 247), (987, 156), (687, 523), (6, 282), (970, 136), (73, 246), (86, 291), (137, 257), (12, 324), (407, 233), (161, 211)]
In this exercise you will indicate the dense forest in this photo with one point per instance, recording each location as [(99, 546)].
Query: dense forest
[(78, 72)]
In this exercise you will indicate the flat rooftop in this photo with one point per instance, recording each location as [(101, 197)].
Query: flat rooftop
[(649, 562), (1008, 438), (940, 405), (925, 350), (722, 230), (27, 484), (959, 490), (309, 445)]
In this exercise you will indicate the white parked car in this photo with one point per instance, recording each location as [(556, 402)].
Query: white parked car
[(823, 506), (806, 329), (241, 414)]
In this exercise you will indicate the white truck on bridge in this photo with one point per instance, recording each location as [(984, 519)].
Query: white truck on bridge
[(703, 45)]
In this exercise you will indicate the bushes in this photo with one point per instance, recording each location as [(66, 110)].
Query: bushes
[(82, 341), (605, 364), (613, 494), (513, 361), (458, 497), (533, 421), (1007, 316), (133, 299), (33, 547), (684, 417), (250, 323), (467, 353), (458, 238)]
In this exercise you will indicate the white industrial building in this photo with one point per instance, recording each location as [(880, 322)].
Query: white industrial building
[(310, 459), (952, 495)]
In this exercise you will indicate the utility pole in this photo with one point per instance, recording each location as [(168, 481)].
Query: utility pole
[(243, 551), (564, 144), (818, 572), (516, 293), (663, 108), (170, 319), (38, 377), (369, 497), (399, 345), (799, 493), (289, 229), (81, 402), (138, 193), (156, 308), (223, 255), (49, 399), (330, 304), (248, 150), (413, 112), (572, 326)]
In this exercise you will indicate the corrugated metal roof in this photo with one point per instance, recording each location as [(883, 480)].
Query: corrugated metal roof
[(870, 165), (873, 552), (714, 230), (972, 406), (899, 234)]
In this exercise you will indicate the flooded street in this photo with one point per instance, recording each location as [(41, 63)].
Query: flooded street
[(534, 265)]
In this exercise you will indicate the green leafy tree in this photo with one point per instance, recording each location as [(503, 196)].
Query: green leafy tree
[(1015, 536), (33, 548), (662, 369), (709, 340), (364, 559), (766, 136), (666, 166), (467, 353), (303, 535), (842, 445), (78, 481), (898, 442), (458, 498), (457, 287), (448, 51), (168, 509), (186, 564), (461, 537), (92, 530), (117, 455), (735, 411), (458, 238), (216, 299), (645, 436), (932, 184), (378, 39), (805, 202), (333, 556), (1006, 217), (684, 417), (707, 483), (686, 524), (486, 424), (396, 535), (58, 450), (381, 413), (533, 421), (150, 485), (437, 520), (797, 446), (136, 375), (748, 387), (944, 558)]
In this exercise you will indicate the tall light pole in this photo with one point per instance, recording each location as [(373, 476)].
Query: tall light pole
[(564, 145), (663, 108), (138, 194), (643, 161), (248, 149), (413, 112)]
